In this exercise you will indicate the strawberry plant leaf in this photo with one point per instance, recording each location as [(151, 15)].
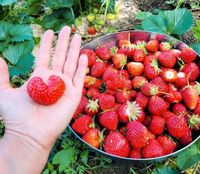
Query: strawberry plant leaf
[(64, 157), (55, 4), (58, 19), (15, 33), (175, 22), (20, 33), (7, 2), (15, 52), (196, 47), (165, 170), (22, 66), (189, 157)]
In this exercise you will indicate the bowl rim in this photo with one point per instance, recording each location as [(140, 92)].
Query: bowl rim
[(127, 158)]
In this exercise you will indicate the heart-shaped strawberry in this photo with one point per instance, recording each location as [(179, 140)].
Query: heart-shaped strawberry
[(46, 94)]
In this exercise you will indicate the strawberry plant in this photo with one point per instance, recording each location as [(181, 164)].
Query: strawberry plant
[(175, 22), (16, 47)]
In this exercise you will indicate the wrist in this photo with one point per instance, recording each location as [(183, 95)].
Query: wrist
[(21, 154)]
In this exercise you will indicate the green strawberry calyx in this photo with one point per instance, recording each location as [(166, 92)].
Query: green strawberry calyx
[(154, 64), (133, 110), (93, 105), (194, 121)]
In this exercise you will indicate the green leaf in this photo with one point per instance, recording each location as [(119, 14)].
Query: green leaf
[(196, 47), (58, 19), (55, 4), (7, 2), (20, 33), (46, 171), (14, 33), (143, 15), (13, 53), (165, 170), (4, 30), (22, 66), (63, 158), (175, 22), (189, 157)]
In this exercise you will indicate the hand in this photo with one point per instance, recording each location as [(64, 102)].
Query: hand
[(36, 124)]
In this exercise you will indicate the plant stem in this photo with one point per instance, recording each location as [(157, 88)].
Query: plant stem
[(81, 11)]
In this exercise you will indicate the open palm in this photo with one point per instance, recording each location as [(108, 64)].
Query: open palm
[(43, 124)]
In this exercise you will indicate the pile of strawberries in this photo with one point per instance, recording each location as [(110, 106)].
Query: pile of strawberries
[(140, 97)]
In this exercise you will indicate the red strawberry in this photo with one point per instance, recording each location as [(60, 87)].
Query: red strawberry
[(194, 121), (123, 42), (116, 144), (93, 137), (103, 53), (168, 144), (89, 81), (130, 111), (167, 114), (157, 105), (152, 46), (188, 55), (152, 70), (169, 75), (106, 101), (46, 94), (190, 97), (135, 153), (179, 109), (93, 93), (109, 120), (124, 74), (136, 134), (187, 138), (96, 84), (157, 125), (162, 86), (91, 30), (98, 69), (110, 92), (123, 96), (173, 97), (139, 81), (110, 73), (139, 55), (149, 89), (175, 52), (152, 149), (119, 60), (177, 126), (82, 124), (164, 46), (150, 135), (129, 49), (135, 68), (167, 59), (81, 106), (197, 108), (91, 56), (192, 70), (126, 84), (142, 100), (92, 107), (149, 58), (181, 80)]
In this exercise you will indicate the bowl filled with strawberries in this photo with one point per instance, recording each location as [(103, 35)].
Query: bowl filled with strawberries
[(140, 100)]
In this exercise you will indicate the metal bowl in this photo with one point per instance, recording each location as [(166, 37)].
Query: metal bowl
[(110, 40)]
